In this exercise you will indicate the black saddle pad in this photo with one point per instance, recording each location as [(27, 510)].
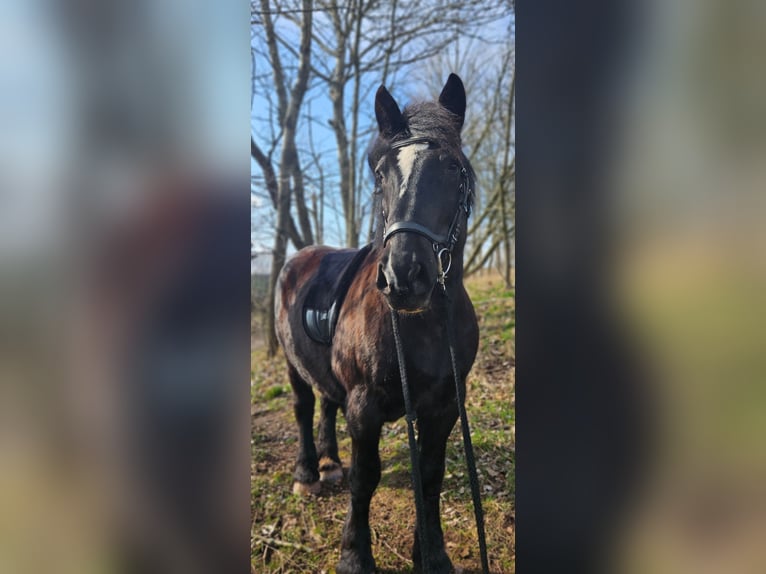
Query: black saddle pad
[(328, 290)]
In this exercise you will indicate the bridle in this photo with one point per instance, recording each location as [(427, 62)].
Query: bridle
[(442, 244)]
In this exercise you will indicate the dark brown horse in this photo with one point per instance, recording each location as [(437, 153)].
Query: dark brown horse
[(415, 267)]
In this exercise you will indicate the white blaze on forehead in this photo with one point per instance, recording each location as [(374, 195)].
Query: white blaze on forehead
[(406, 159)]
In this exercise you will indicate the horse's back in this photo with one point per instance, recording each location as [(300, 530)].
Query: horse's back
[(311, 267), (295, 277)]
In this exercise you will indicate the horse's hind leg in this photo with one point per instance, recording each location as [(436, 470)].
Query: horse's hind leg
[(330, 469), (306, 465)]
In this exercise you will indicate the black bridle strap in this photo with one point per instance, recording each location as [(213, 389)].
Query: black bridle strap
[(412, 141), (417, 483), (470, 461), (413, 227)]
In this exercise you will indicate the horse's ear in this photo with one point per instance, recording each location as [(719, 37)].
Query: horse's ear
[(453, 98), (390, 119)]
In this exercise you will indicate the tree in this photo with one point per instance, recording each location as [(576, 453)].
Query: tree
[(289, 105)]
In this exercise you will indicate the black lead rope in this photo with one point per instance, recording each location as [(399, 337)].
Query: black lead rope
[(470, 461), (414, 459), (467, 445)]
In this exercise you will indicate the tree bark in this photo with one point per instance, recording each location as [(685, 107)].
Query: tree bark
[(338, 123), (507, 182), (289, 157)]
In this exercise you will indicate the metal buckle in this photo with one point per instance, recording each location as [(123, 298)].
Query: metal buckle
[(443, 269)]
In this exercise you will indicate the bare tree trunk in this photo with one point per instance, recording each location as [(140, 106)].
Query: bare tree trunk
[(300, 199), (289, 158), (355, 186), (344, 162), (513, 264), (507, 182), (391, 43), (338, 122), (320, 224), (317, 203), (278, 258), (483, 261)]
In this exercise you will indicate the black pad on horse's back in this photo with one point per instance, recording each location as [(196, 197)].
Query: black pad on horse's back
[(327, 291)]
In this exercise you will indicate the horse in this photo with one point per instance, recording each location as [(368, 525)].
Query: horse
[(424, 185)]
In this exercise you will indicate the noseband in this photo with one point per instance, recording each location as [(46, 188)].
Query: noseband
[(442, 244)]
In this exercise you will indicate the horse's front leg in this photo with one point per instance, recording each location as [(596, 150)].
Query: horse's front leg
[(433, 432), (364, 424)]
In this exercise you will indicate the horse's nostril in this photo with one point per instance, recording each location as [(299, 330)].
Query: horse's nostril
[(381, 281), (419, 280), (413, 274)]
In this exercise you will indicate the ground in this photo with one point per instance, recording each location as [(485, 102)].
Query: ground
[(300, 535)]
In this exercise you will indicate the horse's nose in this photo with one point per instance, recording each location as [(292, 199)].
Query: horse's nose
[(404, 285)]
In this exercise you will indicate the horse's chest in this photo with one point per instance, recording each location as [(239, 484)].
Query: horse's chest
[(372, 358), (427, 359)]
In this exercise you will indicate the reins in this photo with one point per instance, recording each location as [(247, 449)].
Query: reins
[(467, 444), (470, 461), (414, 459)]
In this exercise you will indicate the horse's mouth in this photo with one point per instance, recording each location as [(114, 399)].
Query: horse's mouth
[(410, 308), (418, 311)]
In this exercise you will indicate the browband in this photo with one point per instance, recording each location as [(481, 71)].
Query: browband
[(411, 141)]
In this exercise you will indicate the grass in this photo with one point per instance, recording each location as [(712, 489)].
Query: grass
[(302, 535)]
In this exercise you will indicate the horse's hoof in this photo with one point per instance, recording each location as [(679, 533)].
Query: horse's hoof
[(354, 564), (330, 471), (306, 489), (439, 564)]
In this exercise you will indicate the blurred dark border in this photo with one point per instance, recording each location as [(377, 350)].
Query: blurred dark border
[(124, 291), (581, 414)]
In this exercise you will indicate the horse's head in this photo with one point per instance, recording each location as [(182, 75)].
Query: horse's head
[(425, 187)]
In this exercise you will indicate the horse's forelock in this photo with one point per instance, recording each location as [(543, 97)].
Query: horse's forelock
[(432, 120)]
